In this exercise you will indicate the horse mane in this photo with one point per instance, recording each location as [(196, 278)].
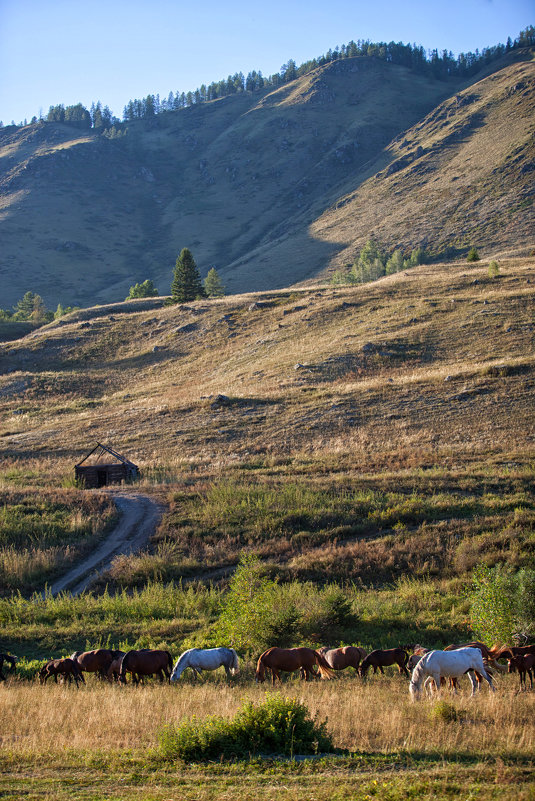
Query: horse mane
[(418, 673), (235, 662)]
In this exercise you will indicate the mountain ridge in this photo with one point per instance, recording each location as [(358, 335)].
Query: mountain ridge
[(254, 183)]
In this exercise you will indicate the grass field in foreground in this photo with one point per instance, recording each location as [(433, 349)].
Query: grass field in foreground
[(101, 742)]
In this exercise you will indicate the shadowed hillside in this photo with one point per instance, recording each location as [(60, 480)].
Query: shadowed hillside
[(270, 187)]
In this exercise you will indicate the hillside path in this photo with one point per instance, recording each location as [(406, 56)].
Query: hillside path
[(139, 518)]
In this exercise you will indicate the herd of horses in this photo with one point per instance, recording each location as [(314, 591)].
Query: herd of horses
[(422, 666)]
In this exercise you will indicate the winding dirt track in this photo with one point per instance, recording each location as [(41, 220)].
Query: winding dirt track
[(140, 516)]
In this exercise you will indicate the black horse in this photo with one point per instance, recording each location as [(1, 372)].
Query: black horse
[(6, 658)]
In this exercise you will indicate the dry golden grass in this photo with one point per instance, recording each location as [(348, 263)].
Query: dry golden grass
[(449, 375), (372, 717)]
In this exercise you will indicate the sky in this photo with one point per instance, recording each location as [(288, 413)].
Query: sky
[(65, 51)]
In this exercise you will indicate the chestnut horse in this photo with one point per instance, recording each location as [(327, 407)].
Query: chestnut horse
[(341, 658), (290, 659), (509, 651), (97, 661), (523, 663), (67, 668), (380, 659), (146, 662)]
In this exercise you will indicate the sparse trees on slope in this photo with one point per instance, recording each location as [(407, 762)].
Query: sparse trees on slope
[(143, 290)]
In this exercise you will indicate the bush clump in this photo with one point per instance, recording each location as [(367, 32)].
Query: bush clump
[(445, 712), (280, 726)]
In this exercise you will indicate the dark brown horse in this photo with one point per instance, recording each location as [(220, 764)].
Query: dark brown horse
[(147, 662), (380, 659), (523, 663), (509, 651), (341, 658), (97, 661), (66, 668), (7, 658), (114, 669), (290, 659)]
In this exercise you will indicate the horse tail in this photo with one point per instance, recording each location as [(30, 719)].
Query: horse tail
[(260, 673), (235, 667), (325, 669), (169, 660), (124, 667)]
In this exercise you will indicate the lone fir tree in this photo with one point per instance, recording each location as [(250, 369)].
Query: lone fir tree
[(213, 286), (187, 284)]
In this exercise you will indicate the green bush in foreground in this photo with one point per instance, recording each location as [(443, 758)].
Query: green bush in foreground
[(281, 726)]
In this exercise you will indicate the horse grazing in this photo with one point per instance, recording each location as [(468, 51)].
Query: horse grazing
[(7, 658), (112, 674), (454, 681), (380, 659), (97, 661), (341, 658), (523, 663), (290, 659), (199, 659), (451, 664), (66, 668), (146, 662)]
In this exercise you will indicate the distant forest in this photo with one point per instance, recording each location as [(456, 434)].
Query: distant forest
[(440, 66)]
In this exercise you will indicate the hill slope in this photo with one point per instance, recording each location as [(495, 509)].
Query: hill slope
[(422, 367), (245, 182)]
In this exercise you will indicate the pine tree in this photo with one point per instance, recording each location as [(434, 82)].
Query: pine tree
[(213, 285), (186, 284)]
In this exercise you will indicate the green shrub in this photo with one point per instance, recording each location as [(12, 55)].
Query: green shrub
[(473, 255), (494, 269), (444, 711), (281, 726), (502, 603)]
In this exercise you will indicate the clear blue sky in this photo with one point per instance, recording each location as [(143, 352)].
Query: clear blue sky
[(65, 51)]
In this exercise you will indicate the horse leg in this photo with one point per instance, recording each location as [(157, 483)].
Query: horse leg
[(473, 682), (488, 679), (381, 669)]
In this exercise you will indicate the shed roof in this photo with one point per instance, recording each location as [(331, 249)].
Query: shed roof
[(100, 451)]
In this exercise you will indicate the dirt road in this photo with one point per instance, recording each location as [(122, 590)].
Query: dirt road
[(140, 516)]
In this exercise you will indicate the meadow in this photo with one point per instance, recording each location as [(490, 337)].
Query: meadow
[(105, 742), (372, 447)]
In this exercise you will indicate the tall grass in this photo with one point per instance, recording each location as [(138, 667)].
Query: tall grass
[(372, 717), (42, 531)]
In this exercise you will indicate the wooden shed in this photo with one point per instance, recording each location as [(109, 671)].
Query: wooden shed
[(103, 466)]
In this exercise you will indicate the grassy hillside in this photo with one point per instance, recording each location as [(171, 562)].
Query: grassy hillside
[(462, 176), (332, 431), (429, 366), (270, 187)]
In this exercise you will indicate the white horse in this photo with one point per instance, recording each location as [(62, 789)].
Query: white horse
[(449, 664), (199, 659)]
